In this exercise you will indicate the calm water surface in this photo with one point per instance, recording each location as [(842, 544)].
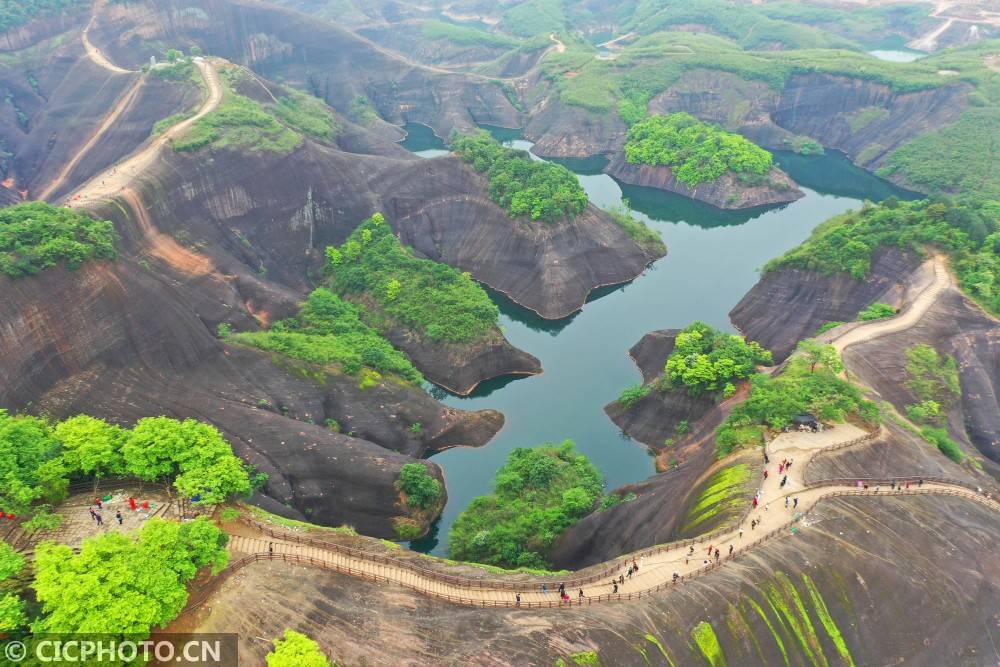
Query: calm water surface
[(713, 260)]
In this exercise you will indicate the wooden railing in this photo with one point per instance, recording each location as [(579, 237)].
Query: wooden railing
[(205, 592)]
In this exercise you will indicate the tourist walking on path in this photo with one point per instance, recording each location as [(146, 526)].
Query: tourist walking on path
[(118, 515), (614, 586), (517, 599), (97, 517), (795, 502), (93, 514), (131, 503)]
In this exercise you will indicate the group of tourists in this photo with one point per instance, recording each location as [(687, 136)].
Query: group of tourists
[(96, 510)]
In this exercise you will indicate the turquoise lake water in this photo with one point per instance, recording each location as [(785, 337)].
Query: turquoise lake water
[(713, 259)]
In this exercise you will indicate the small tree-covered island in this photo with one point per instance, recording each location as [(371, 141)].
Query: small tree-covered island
[(681, 154)]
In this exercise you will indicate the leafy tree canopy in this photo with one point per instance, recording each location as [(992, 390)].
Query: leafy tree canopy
[(431, 298), (296, 650), (30, 468), (422, 490), (541, 190), (705, 359), (122, 584), (537, 494), (329, 331), (696, 152), (36, 235)]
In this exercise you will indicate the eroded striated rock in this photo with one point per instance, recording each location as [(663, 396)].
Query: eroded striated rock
[(727, 192)]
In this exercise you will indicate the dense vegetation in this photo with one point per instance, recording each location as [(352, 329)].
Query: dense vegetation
[(329, 331), (428, 297), (124, 584), (537, 494), (242, 124), (541, 190), (38, 458), (967, 230), (534, 17), (36, 235), (959, 158), (705, 359), (422, 491), (809, 383), (295, 649), (15, 13), (466, 36), (696, 152)]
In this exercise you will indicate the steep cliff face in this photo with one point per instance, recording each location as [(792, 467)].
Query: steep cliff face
[(828, 595), (311, 54), (133, 338), (278, 212), (789, 304), (862, 118), (727, 192), (978, 356)]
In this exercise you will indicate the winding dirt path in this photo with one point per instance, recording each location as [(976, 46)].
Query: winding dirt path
[(115, 179), (910, 316), (95, 53)]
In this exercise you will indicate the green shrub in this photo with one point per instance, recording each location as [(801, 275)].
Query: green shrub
[(406, 529), (241, 124), (931, 377), (705, 359), (329, 331), (430, 298), (826, 327), (227, 514), (632, 395), (925, 412), (696, 152), (540, 190), (422, 491), (306, 114), (296, 650), (947, 446), (877, 311), (36, 235), (537, 494), (14, 13)]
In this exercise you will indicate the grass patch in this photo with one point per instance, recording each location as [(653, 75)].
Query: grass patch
[(466, 36), (238, 124), (704, 637)]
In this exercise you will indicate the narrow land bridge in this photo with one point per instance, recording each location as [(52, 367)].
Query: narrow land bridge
[(660, 567)]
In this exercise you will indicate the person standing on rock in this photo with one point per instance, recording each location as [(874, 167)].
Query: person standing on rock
[(581, 595), (621, 579), (765, 473), (562, 589), (795, 502), (118, 515), (731, 547), (614, 586), (517, 599)]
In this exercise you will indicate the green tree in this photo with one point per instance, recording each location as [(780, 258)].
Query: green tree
[(296, 650), (91, 446), (705, 359), (422, 491), (30, 470), (120, 584), (820, 354)]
